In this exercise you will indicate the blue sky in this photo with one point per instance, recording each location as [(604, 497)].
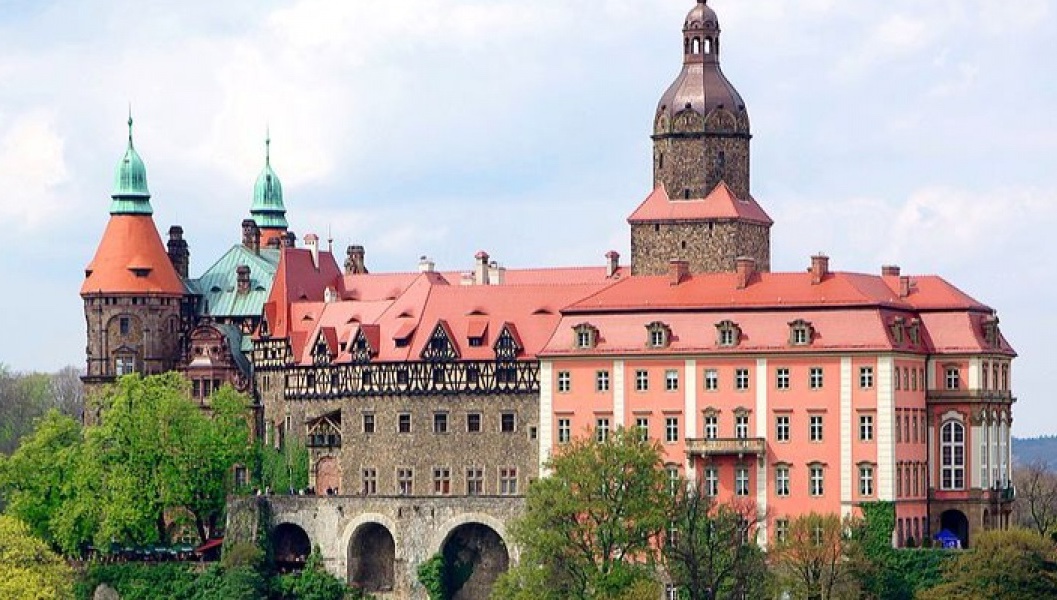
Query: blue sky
[(906, 132)]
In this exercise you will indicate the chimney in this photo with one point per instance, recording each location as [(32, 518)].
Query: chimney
[(179, 255), (354, 261), (819, 268), (480, 273), (904, 286), (289, 240), (251, 236), (612, 263), (745, 267), (425, 265), (890, 271), (312, 243), (678, 270), (242, 276), (496, 273)]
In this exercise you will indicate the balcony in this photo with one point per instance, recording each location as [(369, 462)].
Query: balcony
[(726, 447), (962, 395)]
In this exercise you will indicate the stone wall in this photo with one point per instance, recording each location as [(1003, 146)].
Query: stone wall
[(687, 153), (709, 246), (420, 527)]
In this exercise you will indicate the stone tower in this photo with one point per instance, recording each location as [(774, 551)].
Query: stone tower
[(133, 295), (268, 210), (701, 211)]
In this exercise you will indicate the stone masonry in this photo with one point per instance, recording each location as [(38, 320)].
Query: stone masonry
[(709, 247)]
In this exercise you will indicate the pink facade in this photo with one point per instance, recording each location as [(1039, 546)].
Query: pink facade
[(798, 392)]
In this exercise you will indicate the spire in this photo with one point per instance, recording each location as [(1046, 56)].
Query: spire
[(268, 210), (130, 195)]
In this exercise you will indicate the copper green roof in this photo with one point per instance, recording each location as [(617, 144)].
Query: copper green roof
[(218, 285), (268, 210), (130, 195)]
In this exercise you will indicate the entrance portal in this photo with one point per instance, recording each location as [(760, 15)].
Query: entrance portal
[(956, 522), (291, 546), (474, 557)]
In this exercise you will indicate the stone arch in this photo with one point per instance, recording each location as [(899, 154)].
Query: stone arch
[(957, 523), (290, 546), (372, 558), (475, 553)]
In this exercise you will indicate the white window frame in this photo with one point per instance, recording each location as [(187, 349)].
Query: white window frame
[(781, 378), (642, 380), (564, 430), (602, 381), (711, 380), (671, 380), (952, 455), (866, 377), (671, 430), (711, 426), (741, 379), (781, 481), (565, 382), (816, 480), (815, 428), (866, 481), (781, 428), (741, 426), (711, 481), (815, 378), (601, 429), (741, 481), (866, 428)]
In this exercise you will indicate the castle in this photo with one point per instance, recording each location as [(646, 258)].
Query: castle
[(430, 400)]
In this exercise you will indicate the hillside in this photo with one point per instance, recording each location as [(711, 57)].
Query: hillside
[(1027, 450)]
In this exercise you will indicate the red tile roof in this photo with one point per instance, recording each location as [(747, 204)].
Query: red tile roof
[(720, 205), (131, 243)]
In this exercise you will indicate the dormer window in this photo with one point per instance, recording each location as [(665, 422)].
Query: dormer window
[(896, 326), (476, 342), (585, 336), (728, 334), (914, 331), (658, 335), (801, 333), (992, 335)]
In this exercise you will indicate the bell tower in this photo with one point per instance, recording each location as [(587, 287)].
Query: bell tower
[(702, 211)]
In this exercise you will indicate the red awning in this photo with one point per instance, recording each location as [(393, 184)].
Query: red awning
[(211, 544)]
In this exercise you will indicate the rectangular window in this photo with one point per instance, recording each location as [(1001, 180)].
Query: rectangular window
[(440, 422), (711, 481), (671, 429), (474, 481), (602, 429), (741, 426), (866, 480), (508, 481), (781, 378), (741, 481), (953, 378), (781, 481), (781, 530), (642, 380), (815, 428), (671, 380), (565, 381), (124, 365), (370, 482), (602, 381), (405, 482), (368, 423), (781, 428), (441, 481), (866, 377), (816, 483), (642, 424), (865, 428), (657, 338), (914, 427), (507, 422), (815, 378), (473, 423), (123, 325), (711, 427), (403, 423), (711, 380), (741, 379), (564, 431)]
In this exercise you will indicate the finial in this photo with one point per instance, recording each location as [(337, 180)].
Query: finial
[(129, 123), (268, 145)]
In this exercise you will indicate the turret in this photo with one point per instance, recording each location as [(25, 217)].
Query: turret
[(268, 210)]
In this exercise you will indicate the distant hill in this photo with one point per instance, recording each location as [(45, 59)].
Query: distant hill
[(1027, 450)]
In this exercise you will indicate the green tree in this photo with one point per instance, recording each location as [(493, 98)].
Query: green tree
[(36, 480), (313, 582), (1002, 565), (282, 469), (591, 527), (156, 452), (711, 549), (28, 568), (814, 561)]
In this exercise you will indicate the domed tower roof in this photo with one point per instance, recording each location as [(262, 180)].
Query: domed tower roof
[(130, 195), (268, 210), (701, 85)]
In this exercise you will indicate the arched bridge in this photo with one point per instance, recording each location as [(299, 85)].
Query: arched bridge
[(377, 543)]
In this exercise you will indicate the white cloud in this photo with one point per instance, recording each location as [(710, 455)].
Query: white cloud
[(32, 167)]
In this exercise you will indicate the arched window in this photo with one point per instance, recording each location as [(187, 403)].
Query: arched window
[(952, 451), (708, 45), (695, 46)]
